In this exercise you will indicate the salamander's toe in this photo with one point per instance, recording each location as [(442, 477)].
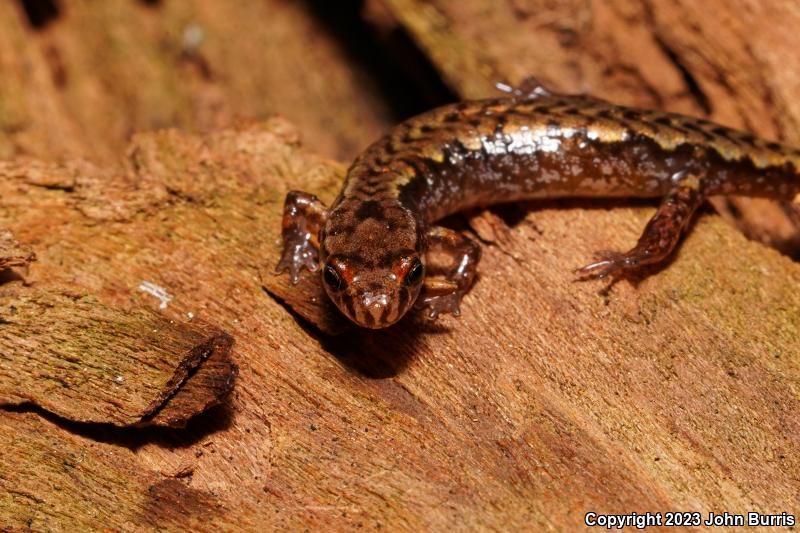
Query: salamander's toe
[(295, 256), (608, 264), (441, 303)]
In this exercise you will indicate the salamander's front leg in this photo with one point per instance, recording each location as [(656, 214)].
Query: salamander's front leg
[(303, 217), (452, 262), (659, 238)]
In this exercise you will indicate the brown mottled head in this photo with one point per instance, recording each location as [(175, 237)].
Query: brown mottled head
[(372, 260)]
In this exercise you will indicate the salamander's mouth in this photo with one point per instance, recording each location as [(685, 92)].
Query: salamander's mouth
[(373, 309)]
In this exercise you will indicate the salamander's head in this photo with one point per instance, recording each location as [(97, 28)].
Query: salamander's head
[(372, 261)]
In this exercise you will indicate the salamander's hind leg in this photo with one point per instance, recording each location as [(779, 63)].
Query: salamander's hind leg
[(659, 238), (452, 262), (303, 217)]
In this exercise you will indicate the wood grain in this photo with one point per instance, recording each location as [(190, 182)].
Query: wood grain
[(81, 485), (86, 362), (83, 84), (12, 253), (680, 391), (547, 399)]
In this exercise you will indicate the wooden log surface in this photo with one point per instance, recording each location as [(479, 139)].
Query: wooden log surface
[(12, 253), (124, 66), (74, 357), (547, 399)]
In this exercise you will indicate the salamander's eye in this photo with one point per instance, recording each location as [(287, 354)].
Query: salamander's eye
[(415, 273), (332, 278)]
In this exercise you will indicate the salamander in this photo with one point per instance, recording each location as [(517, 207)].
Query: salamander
[(377, 247)]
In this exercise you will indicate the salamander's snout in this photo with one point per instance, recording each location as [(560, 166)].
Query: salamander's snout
[(377, 303), (376, 308), (373, 298)]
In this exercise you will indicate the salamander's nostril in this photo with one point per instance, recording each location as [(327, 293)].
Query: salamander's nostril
[(374, 301), (375, 308)]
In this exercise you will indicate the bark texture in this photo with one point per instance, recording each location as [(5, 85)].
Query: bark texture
[(12, 253), (546, 400), (83, 361), (88, 75)]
